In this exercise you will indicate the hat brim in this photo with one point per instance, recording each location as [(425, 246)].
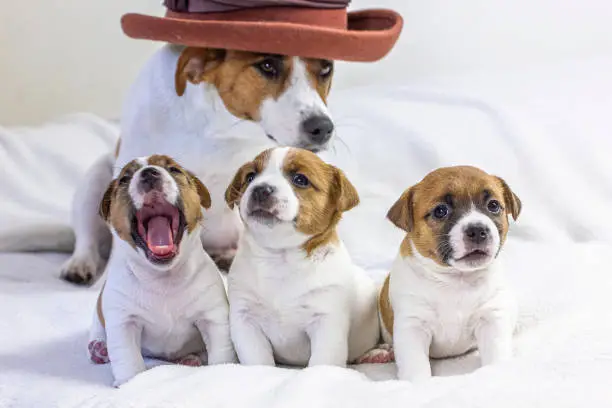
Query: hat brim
[(369, 36)]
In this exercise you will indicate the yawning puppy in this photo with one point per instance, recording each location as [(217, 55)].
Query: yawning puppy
[(445, 294), (295, 296), (164, 296)]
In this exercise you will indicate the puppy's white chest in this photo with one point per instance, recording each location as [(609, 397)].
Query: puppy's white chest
[(284, 304)]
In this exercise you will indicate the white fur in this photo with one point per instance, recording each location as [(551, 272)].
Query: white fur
[(291, 308), (162, 311), (197, 131), (447, 311)]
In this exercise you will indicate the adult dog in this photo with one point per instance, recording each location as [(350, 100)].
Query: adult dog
[(194, 104)]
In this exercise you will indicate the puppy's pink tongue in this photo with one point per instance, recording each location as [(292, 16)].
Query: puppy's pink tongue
[(159, 236)]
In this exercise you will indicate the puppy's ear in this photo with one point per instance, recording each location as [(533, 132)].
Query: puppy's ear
[(195, 65), (401, 213), (205, 200), (234, 190), (107, 198), (511, 200), (345, 193)]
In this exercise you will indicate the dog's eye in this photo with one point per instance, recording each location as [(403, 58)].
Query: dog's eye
[(125, 179), (494, 206), (175, 170), (250, 177), (326, 69), (441, 212), (300, 180), (269, 67)]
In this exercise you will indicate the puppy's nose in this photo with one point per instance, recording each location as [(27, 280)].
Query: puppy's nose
[(477, 233), (262, 193), (318, 128), (150, 178)]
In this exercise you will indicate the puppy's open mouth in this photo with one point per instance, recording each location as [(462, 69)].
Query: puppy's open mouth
[(475, 256), (158, 229)]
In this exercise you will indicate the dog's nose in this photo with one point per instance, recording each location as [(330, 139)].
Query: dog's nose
[(150, 178), (477, 233), (262, 192), (318, 128)]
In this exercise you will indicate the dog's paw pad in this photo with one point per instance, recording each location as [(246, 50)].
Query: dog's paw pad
[(224, 259), (382, 354), (98, 352), (79, 271), (191, 360)]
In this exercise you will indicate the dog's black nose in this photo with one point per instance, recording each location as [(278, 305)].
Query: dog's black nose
[(318, 128), (262, 192), (150, 178), (477, 233)]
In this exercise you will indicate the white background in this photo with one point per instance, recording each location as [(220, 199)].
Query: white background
[(60, 56)]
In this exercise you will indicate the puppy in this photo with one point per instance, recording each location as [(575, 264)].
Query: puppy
[(445, 293), (295, 296), (212, 110), (164, 296)]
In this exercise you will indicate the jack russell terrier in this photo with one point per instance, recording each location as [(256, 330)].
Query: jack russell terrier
[(445, 294), (164, 296), (211, 110), (295, 296)]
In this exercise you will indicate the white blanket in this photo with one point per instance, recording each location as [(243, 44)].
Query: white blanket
[(544, 131)]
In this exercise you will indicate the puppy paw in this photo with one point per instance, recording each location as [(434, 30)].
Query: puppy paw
[(98, 353), (223, 259), (382, 354), (82, 270), (191, 360)]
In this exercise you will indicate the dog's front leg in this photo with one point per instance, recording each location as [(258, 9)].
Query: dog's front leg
[(215, 332), (494, 338), (123, 344), (329, 341), (251, 343), (93, 237), (411, 342)]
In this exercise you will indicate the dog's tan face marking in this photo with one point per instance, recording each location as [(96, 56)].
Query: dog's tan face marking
[(322, 202), (459, 189), (245, 79), (241, 179), (117, 206)]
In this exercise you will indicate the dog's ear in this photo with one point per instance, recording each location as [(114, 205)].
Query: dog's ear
[(205, 200), (511, 201), (345, 193), (235, 189), (401, 213), (195, 65), (107, 198)]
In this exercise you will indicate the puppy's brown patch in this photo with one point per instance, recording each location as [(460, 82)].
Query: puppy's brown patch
[(241, 85), (460, 187), (99, 307), (384, 306), (239, 184), (322, 203)]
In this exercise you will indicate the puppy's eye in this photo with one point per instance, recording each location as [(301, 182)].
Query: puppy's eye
[(269, 67), (440, 212), (300, 180), (494, 206), (125, 179), (250, 177), (175, 170), (326, 69)]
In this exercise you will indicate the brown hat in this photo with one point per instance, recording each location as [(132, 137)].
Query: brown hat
[(305, 28)]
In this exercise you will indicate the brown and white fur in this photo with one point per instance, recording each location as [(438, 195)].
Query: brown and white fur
[(164, 296), (295, 296), (211, 110), (446, 293)]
